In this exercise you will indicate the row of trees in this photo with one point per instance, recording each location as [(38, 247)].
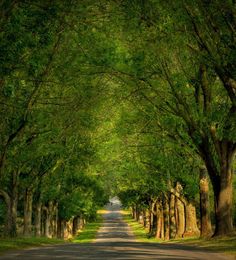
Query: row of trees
[(47, 99), (179, 80), (134, 97)]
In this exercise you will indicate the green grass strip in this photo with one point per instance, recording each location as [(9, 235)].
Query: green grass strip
[(23, 242), (88, 234), (223, 245), (140, 233)]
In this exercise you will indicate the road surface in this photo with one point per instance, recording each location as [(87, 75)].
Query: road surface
[(114, 241)]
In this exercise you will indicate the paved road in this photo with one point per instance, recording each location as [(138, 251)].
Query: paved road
[(114, 241)]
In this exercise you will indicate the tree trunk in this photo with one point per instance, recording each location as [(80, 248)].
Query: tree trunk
[(222, 186), (162, 224), (38, 216), (158, 221), (54, 219), (180, 217), (166, 212), (64, 229), (186, 215), (221, 180), (28, 213), (59, 228), (46, 222), (50, 219), (75, 226), (206, 229), (137, 214), (191, 228), (14, 202), (144, 218), (133, 213), (149, 219), (223, 203), (152, 218), (172, 216), (81, 222), (69, 228), (11, 201), (10, 218)]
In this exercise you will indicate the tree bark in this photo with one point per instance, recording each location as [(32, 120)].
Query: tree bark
[(144, 221), (166, 222), (69, 227), (152, 218), (159, 220), (149, 218), (38, 217), (222, 181), (180, 217), (59, 228), (28, 213), (133, 213), (75, 225), (46, 222), (11, 201), (14, 201), (50, 218), (55, 220), (82, 222), (10, 220), (206, 228), (223, 204), (172, 216), (63, 229), (186, 216), (191, 228), (137, 214)]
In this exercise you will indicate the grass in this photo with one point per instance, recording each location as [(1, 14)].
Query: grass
[(225, 245), (23, 242), (139, 231), (88, 234), (85, 236), (102, 211)]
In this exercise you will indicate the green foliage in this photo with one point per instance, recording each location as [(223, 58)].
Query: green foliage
[(125, 98)]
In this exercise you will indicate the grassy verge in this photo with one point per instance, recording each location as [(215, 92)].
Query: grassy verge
[(224, 245), (138, 230), (85, 236), (22, 242), (89, 232)]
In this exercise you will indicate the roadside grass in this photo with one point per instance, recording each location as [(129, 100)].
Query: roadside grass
[(138, 230), (23, 242), (102, 211), (88, 233), (225, 245), (85, 236)]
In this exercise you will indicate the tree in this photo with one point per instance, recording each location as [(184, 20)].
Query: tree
[(188, 81)]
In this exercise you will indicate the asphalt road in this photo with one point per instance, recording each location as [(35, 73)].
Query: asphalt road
[(114, 241)]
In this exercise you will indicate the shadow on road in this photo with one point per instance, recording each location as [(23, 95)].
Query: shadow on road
[(115, 250)]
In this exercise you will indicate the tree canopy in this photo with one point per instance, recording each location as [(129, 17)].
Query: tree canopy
[(115, 98)]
